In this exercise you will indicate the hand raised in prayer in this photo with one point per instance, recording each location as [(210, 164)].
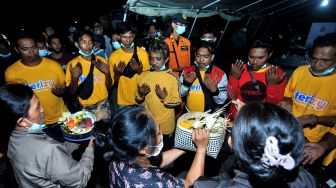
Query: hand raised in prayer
[(237, 69), (143, 90), (161, 93), (76, 71), (190, 78), (272, 76)]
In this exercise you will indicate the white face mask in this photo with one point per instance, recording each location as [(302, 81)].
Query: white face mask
[(262, 67), (122, 45), (325, 72), (35, 127), (157, 149), (84, 54), (206, 67), (207, 39), (161, 69)]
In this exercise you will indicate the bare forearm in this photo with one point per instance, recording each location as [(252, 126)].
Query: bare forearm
[(197, 167), (73, 86), (108, 81), (329, 141), (328, 121), (170, 156)]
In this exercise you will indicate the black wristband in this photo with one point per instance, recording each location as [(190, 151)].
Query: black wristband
[(215, 93), (186, 84)]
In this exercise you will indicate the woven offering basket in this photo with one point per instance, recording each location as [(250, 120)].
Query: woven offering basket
[(183, 138)]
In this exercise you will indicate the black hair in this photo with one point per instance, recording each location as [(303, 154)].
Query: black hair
[(209, 29), (263, 42), (159, 46), (208, 45), (253, 124), (325, 41), (15, 104), (126, 27), (23, 35), (52, 36), (79, 33), (130, 130)]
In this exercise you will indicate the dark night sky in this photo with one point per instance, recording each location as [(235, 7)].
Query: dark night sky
[(58, 13)]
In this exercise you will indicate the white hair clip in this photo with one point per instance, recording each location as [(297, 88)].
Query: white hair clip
[(272, 156)]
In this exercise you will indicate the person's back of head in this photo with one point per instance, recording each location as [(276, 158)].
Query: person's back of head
[(130, 130), (99, 41), (269, 142), (15, 104)]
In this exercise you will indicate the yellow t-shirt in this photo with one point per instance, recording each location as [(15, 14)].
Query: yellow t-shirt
[(312, 95), (195, 97), (163, 115), (41, 79), (99, 88), (127, 86)]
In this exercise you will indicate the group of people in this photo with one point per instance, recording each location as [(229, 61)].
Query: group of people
[(135, 93)]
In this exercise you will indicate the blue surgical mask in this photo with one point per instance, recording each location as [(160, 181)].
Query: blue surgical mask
[(43, 53), (35, 127), (324, 73), (5, 55), (206, 67), (84, 54), (157, 149), (180, 30), (116, 45), (161, 69), (122, 45)]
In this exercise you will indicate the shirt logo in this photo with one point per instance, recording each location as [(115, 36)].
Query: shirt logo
[(311, 100), (41, 85), (96, 78)]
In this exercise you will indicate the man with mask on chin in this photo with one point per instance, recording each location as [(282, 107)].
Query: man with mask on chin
[(179, 46), (310, 96), (126, 64)]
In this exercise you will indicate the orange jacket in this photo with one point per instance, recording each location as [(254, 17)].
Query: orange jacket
[(182, 51)]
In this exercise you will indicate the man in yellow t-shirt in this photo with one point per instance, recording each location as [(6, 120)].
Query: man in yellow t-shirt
[(78, 71), (43, 75), (311, 98), (158, 90), (125, 67)]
